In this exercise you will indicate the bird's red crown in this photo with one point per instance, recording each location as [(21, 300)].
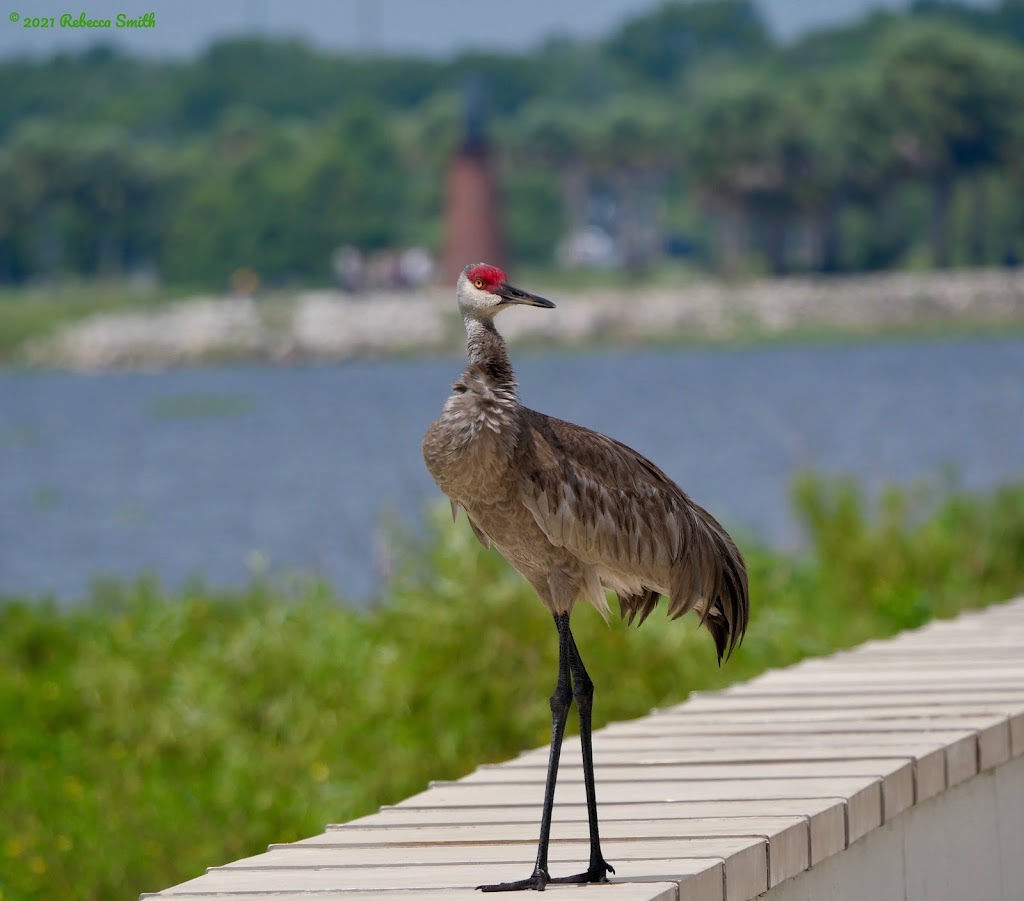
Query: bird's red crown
[(485, 277)]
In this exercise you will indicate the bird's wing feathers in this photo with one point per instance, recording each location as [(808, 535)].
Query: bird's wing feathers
[(481, 536), (613, 508)]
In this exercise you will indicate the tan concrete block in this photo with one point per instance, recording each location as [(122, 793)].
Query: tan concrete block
[(563, 854), (688, 772), (745, 860), (789, 851), (929, 774), (229, 881), (566, 812), (936, 676), (1017, 735), (694, 888), (993, 745), (961, 653), (913, 717), (788, 838), (934, 655), (781, 727), (961, 760), (464, 794), (746, 873), (752, 752), (901, 775), (879, 690), (572, 830), (826, 817), (828, 833), (897, 776), (863, 811), (857, 741), (938, 715), (897, 791), (810, 697), (707, 885), (870, 870)]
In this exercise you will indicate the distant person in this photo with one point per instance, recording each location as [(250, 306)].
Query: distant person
[(416, 266), (349, 269), (244, 282)]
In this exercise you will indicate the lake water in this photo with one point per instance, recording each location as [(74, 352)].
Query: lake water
[(210, 471)]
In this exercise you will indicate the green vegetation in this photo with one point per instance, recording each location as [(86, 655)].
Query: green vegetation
[(200, 406), (148, 734), (30, 312), (894, 142)]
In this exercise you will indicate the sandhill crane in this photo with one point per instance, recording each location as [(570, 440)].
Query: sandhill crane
[(575, 512)]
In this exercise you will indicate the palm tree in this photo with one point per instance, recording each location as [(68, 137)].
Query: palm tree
[(854, 159), (956, 97), (750, 152), (633, 146), (554, 136)]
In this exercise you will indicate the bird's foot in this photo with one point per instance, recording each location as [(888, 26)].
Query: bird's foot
[(537, 883), (597, 872)]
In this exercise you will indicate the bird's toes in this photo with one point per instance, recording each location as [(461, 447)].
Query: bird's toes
[(536, 882), (596, 872)]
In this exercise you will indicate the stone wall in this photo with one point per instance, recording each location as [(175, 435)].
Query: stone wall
[(323, 325)]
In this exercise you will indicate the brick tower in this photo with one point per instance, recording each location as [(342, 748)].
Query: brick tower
[(472, 218)]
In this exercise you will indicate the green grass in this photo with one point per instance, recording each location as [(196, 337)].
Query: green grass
[(147, 734), (200, 406), (27, 313)]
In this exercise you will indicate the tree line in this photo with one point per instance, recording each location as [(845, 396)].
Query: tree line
[(897, 141)]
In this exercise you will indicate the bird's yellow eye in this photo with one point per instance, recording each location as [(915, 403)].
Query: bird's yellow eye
[(479, 282)]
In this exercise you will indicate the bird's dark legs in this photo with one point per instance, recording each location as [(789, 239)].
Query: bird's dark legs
[(583, 692), (573, 682), (561, 700)]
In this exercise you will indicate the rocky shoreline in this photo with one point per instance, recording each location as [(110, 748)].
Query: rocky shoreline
[(329, 326)]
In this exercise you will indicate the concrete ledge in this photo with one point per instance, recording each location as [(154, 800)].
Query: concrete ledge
[(964, 843), (893, 771)]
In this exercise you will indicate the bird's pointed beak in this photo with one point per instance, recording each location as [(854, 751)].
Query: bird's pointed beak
[(510, 294)]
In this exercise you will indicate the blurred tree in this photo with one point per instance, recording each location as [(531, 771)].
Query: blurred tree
[(240, 208), (534, 216), (633, 146), (42, 163), (1008, 19), (751, 156), (552, 136), (956, 97), (848, 46), (355, 189), (15, 256), (279, 200), (264, 153), (503, 79), (661, 45), (99, 85), (426, 137), (853, 159), (81, 200), (276, 77)]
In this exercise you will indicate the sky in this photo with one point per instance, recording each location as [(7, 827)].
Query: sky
[(422, 27)]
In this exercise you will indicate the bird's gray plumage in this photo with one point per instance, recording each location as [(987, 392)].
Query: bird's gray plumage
[(572, 510), (576, 513)]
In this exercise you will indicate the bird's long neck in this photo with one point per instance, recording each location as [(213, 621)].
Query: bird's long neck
[(486, 349)]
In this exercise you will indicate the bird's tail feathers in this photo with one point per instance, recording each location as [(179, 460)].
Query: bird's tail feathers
[(711, 575)]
